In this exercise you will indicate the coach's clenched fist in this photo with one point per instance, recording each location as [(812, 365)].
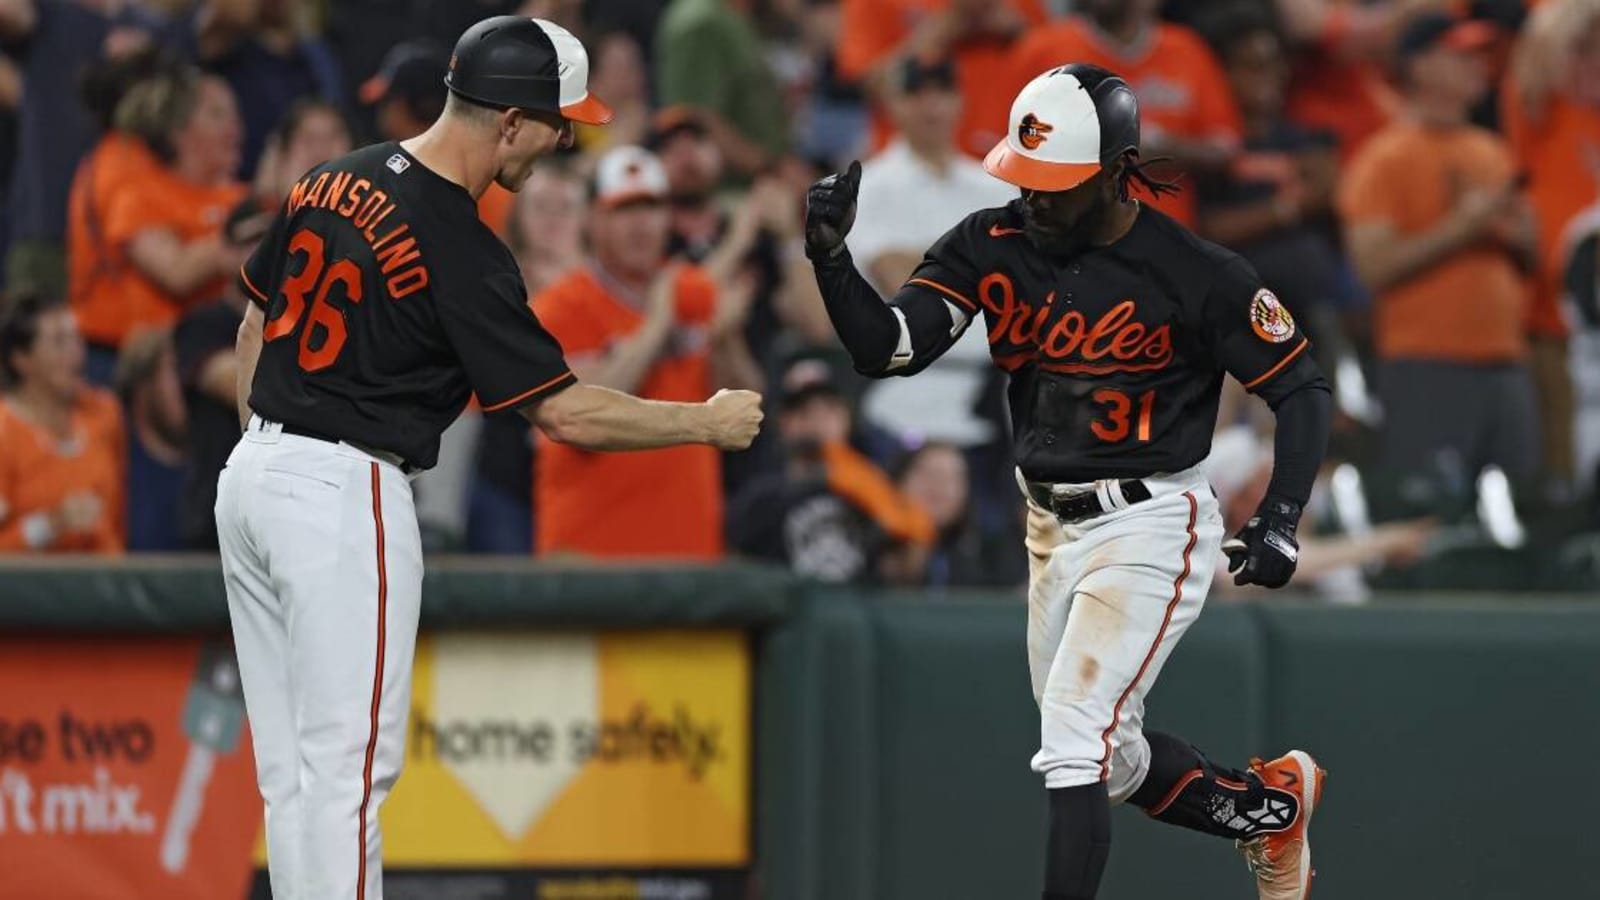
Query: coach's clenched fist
[(735, 418)]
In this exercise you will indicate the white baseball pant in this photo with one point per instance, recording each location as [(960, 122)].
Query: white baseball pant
[(323, 566), (1108, 600)]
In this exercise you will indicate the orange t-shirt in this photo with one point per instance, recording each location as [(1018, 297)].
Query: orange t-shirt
[(654, 503), (1468, 308), (494, 208), (119, 191), (871, 29), (1560, 152), (1351, 100), (37, 473), (1181, 87)]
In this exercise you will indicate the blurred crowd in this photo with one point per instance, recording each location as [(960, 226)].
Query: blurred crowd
[(1416, 179)]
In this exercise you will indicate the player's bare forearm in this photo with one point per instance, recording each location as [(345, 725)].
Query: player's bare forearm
[(592, 417), (247, 350)]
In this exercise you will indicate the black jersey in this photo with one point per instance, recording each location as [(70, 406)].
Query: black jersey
[(388, 303), (1117, 355)]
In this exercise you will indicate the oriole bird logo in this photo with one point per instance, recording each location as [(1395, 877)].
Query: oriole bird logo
[(1031, 132)]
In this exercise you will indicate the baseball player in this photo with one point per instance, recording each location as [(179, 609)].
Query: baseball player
[(380, 302), (1117, 326)]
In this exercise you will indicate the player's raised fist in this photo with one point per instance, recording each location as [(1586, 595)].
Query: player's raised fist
[(735, 418), (831, 210)]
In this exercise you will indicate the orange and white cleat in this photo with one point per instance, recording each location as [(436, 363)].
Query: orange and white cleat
[(1281, 860)]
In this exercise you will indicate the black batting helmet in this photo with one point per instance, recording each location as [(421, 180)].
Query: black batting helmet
[(514, 62)]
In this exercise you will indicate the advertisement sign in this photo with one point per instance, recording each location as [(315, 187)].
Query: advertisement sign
[(125, 771), (550, 766)]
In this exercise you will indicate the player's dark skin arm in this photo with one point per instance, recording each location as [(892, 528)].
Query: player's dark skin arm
[(590, 417)]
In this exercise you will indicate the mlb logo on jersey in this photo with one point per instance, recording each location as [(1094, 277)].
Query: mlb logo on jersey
[(398, 164)]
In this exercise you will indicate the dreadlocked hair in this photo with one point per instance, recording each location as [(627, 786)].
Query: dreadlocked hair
[(1134, 170)]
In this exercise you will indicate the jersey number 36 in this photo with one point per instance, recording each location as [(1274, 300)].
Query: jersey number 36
[(324, 333)]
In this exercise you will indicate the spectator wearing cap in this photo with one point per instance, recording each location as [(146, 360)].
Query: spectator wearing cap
[(407, 94), (875, 37), (147, 246), (53, 41), (62, 458), (1274, 205), (708, 55), (1186, 110), (1437, 226), (152, 404), (1550, 109), (829, 513), (270, 56), (757, 242), (912, 192), (632, 321)]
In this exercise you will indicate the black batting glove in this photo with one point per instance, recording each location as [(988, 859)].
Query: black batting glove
[(830, 211), (1264, 551)]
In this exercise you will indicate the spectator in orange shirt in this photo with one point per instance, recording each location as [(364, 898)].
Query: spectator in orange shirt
[(546, 234), (61, 441), (876, 37), (632, 322), (1550, 109), (1186, 108), (1437, 227), (145, 239)]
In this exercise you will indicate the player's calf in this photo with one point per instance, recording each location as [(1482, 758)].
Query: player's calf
[(1266, 809)]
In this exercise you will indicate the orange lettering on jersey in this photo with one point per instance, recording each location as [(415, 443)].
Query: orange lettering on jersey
[(341, 180), (398, 255), (314, 198), (297, 196), (408, 282), (370, 232), (1113, 342), (396, 232), (358, 192), (369, 208)]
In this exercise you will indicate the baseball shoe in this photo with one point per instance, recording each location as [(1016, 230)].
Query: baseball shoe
[(1281, 860)]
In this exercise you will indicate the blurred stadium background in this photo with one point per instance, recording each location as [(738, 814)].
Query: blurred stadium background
[(796, 673)]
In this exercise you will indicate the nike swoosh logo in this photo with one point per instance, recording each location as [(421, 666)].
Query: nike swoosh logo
[(997, 230)]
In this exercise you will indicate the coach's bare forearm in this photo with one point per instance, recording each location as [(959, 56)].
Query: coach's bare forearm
[(591, 417), (248, 350)]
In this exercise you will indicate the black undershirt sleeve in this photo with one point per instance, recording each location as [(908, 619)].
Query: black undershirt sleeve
[(869, 328), (1305, 415)]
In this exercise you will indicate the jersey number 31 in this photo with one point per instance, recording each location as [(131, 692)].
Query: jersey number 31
[(1117, 406), (316, 279)]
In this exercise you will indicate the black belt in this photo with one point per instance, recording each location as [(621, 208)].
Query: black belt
[(1085, 504), (301, 431)]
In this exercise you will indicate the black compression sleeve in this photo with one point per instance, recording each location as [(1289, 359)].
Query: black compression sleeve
[(1305, 418), (864, 322)]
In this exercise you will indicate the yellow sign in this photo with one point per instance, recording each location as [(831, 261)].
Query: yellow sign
[(617, 749)]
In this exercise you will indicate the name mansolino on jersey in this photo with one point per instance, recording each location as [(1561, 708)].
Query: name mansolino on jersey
[(367, 208)]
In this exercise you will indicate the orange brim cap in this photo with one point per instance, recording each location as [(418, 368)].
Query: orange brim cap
[(1033, 174), (590, 111)]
